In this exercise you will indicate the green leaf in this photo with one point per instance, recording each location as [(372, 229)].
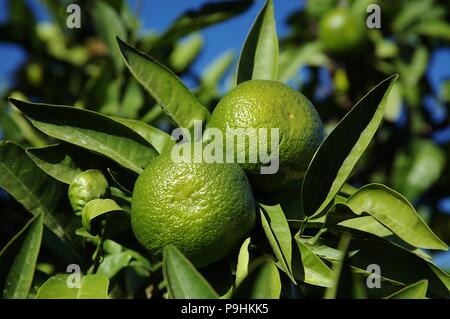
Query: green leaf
[(35, 190), (316, 272), (435, 29), (20, 276), (186, 52), (91, 287), (242, 268), (92, 131), (417, 290), (208, 14), (115, 262), (277, 231), (183, 280), (133, 100), (215, 71), (109, 25), (394, 211), (259, 56), (159, 139), (55, 161), (410, 14), (417, 169), (262, 283), (165, 87), (343, 286), (96, 209), (292, 59), (65, 162), (338, 154)]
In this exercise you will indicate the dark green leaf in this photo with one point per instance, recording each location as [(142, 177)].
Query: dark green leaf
[(343, 286), (165, 87), (91, 131), (279, 236), (109, 25), (183, 280), (341, 150), (20, 276), (96, 209), (316, 272), (259, 56)]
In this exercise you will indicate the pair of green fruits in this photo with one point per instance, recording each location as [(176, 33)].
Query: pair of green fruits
[(207, 209)]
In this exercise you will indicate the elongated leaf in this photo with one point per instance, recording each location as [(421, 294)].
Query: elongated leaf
[(95, 209), (183, 280), (417, 290), (418, 169), (159, 139), (208, 14), (393, 211), (165, 87), (316, 272), (64, 162), (20, 276), (343, 286), (259, 56), (91, 131), (55, 161), (262, 283), (341, 150), (216, 70), (109, 25), (279, 236), (114, 263), (242, 268), (186, 52), (35, 190), (91, 287)]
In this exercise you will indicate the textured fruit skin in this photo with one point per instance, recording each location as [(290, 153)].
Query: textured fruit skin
[(205, 210), (342, 33), (272, 104)]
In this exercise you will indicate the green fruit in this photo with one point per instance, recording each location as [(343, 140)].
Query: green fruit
[(205, 210), (342, 32), (88, 185), (271, 104)]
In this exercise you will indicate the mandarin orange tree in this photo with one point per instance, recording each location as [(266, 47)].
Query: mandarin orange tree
[(99, 199)]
